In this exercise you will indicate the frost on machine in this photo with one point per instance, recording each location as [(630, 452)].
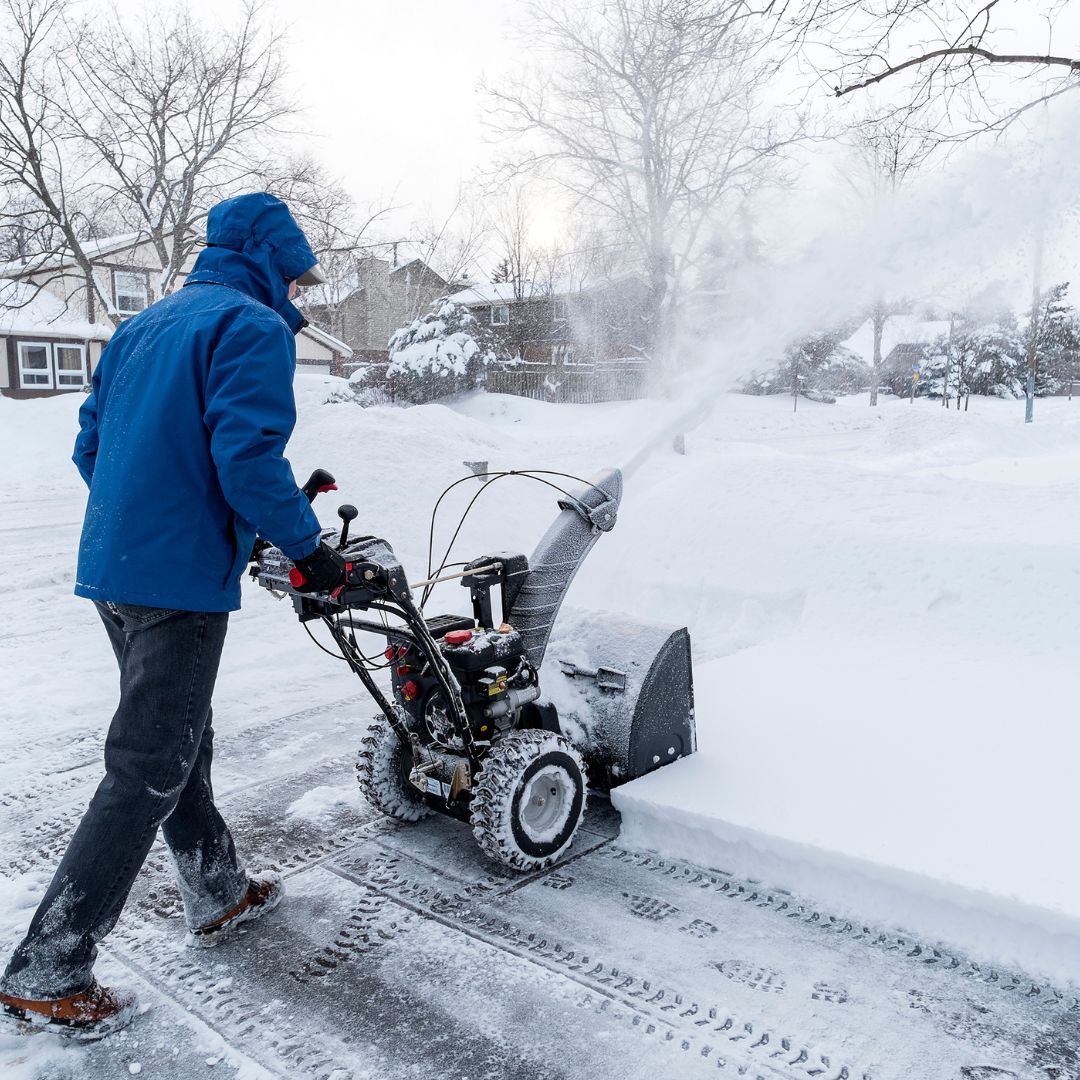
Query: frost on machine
[(466, 729)]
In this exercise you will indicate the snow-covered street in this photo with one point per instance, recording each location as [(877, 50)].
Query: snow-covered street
[(848, 880)]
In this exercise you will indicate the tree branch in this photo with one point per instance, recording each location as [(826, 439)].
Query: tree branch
[(972, 51)]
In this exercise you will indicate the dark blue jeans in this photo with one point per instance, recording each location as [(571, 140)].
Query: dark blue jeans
[(157, 774)]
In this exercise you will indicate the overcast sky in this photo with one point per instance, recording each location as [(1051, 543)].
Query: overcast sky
[(389, 90)]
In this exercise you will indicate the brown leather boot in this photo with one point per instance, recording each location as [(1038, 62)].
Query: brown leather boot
[(263, 895), (91, 1014)]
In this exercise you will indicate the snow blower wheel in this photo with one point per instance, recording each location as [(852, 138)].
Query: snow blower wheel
[(528, 799), (382, 769)]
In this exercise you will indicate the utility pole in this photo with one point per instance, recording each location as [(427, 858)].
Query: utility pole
[(948, 365), (1033, 328), (1036, 288)]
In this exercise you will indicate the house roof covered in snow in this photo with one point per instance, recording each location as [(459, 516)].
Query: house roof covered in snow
[(504, 292), (56, 260), (487, 292), (328, 340), (900, 331), (27, 309)]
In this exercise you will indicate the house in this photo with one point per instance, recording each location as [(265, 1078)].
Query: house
[(563, 326), (580, 343), (904, 341), (370, 301), (53, 328)]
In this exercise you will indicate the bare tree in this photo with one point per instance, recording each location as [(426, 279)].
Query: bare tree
[(939, 50), (891, 148), (147, 123), (511, 230), (48, 188), (454, 244), (646, 111), (177, 114)]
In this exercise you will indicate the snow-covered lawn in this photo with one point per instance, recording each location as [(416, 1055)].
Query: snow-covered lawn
[(884, 607)]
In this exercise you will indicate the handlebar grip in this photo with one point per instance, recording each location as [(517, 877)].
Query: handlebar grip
[(319, 480)]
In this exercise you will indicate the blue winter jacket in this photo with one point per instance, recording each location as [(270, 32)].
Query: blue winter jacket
[(183, 438)]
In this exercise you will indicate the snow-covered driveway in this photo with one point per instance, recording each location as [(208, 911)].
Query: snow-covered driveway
[(401, 953)]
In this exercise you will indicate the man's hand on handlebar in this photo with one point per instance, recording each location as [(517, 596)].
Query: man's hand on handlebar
[(321, 571)]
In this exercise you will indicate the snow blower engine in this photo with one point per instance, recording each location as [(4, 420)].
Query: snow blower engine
[(466, 730)]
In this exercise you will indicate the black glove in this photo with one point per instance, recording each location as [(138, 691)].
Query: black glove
[(322, 571)]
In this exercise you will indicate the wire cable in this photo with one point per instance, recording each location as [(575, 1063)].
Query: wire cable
[(532, 474)]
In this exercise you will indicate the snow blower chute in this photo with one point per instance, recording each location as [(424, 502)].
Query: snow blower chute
[(466, 729)]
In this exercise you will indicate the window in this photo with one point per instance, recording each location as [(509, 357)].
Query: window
[(131, 289), (48, 365), (35, 365), (70, 363), (558, 310), (500, 314)]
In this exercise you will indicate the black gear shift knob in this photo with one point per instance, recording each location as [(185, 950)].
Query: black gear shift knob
[(348, 513)]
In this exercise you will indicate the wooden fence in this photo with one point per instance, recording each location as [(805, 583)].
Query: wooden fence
[(579, 386)]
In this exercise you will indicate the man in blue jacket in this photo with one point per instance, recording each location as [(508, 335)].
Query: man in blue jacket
[(182, 446)]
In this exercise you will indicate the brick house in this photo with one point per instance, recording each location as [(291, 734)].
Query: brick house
[(581, 343), (565, 326), (369, 302), (52, 328), (581, 326)]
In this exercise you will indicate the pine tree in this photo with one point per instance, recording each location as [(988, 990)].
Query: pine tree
[(443, 352), (1058, 345)]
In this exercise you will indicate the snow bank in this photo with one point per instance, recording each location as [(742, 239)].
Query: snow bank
[(884, 614)]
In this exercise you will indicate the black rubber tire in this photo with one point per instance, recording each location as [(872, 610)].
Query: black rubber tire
[(496, 807), (382, 769)]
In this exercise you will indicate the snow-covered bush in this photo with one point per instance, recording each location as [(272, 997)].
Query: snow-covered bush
[(361, 388), (818, 362), (441, 353), (985, 357)]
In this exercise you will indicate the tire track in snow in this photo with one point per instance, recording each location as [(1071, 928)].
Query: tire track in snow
[(713, 1034), (58, 770), (1013, 983)]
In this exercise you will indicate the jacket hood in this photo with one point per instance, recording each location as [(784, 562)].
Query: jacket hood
[(254, 245)]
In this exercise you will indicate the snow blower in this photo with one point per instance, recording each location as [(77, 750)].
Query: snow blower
[(466, 729)]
